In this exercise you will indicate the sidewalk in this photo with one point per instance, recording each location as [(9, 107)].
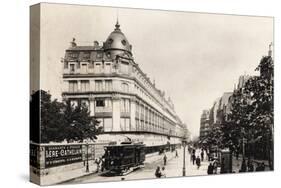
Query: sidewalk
[(68, 175), (155, 157)]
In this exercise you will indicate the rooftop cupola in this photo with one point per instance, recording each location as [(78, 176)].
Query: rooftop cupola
[(117, 43)]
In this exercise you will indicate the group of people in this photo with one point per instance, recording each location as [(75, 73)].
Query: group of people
[(213, 167), (100, 162), (196, 159), (160, 172), (249, 166)]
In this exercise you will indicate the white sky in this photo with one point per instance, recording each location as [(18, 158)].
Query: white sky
[(193, 57)]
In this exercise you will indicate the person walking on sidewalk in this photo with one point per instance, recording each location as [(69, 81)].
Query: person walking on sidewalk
[(198, 162), (176, 154), (243, 166), (202, 155), (98, 161), (215, 166), (210, 169), (193, 157), (165, 159), (250, 166), (102, 164)]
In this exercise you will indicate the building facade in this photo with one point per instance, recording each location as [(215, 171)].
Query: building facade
[(205, 125), (106, 79)]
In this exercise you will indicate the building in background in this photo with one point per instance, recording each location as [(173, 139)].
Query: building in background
[(106, 79), (205, 126)]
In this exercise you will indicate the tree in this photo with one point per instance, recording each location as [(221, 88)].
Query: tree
[(61, 121), (251, 114), (237, 126), (79, 124), (260, 89), (51, 119)]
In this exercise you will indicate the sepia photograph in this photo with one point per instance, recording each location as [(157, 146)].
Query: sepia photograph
[(122, 94)]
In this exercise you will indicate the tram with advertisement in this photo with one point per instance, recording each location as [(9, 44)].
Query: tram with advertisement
[(123, 158)]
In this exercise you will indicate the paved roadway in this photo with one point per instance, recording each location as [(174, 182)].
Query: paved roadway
[(173, 169)]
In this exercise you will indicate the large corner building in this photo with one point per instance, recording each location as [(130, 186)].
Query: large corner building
[(106, 78)]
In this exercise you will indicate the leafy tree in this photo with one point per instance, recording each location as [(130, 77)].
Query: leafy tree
[(80, 125), (251, 116), (260, 89), (61, 121), (51, 119)]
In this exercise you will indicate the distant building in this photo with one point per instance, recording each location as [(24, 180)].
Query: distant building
[(225, 105), (105, 78), (220, 109), (242, 81), (205, 125)]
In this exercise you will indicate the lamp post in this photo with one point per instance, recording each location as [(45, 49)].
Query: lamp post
[(87, 157), (243, 143), (184, 145), (87, 147)]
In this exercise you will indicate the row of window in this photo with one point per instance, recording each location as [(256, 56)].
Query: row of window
[(125, 125), (107, 124), (83, 68), (100, 85), (151, 89), (148, 119), (105, 104)]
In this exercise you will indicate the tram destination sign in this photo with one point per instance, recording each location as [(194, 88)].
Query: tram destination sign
[(62, 155)]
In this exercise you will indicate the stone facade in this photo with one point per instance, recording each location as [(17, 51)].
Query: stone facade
[(111, 84)]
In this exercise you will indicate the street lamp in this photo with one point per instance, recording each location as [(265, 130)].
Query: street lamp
[(87, 147), (87, 157), (184, 145)]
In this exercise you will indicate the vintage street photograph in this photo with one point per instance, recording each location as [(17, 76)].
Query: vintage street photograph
[(122, 94)]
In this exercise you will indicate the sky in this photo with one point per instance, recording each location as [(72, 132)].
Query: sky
[(193, 57)]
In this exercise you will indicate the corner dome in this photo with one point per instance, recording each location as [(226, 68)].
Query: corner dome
[(117, 42)]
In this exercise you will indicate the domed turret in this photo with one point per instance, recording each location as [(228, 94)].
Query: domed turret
[(117, 43)]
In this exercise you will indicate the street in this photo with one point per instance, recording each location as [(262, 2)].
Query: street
[(174, 168)]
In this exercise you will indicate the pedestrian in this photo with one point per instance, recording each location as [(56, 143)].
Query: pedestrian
[(210, 169), (193, 157), (163, 172), (250, 166), (208, 154), (262, 166), (198, 162), (243, 166), (97, 161), (177, 154), (102, 164), (165, 159), (158, 172), (215, 166), (202, 155)]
